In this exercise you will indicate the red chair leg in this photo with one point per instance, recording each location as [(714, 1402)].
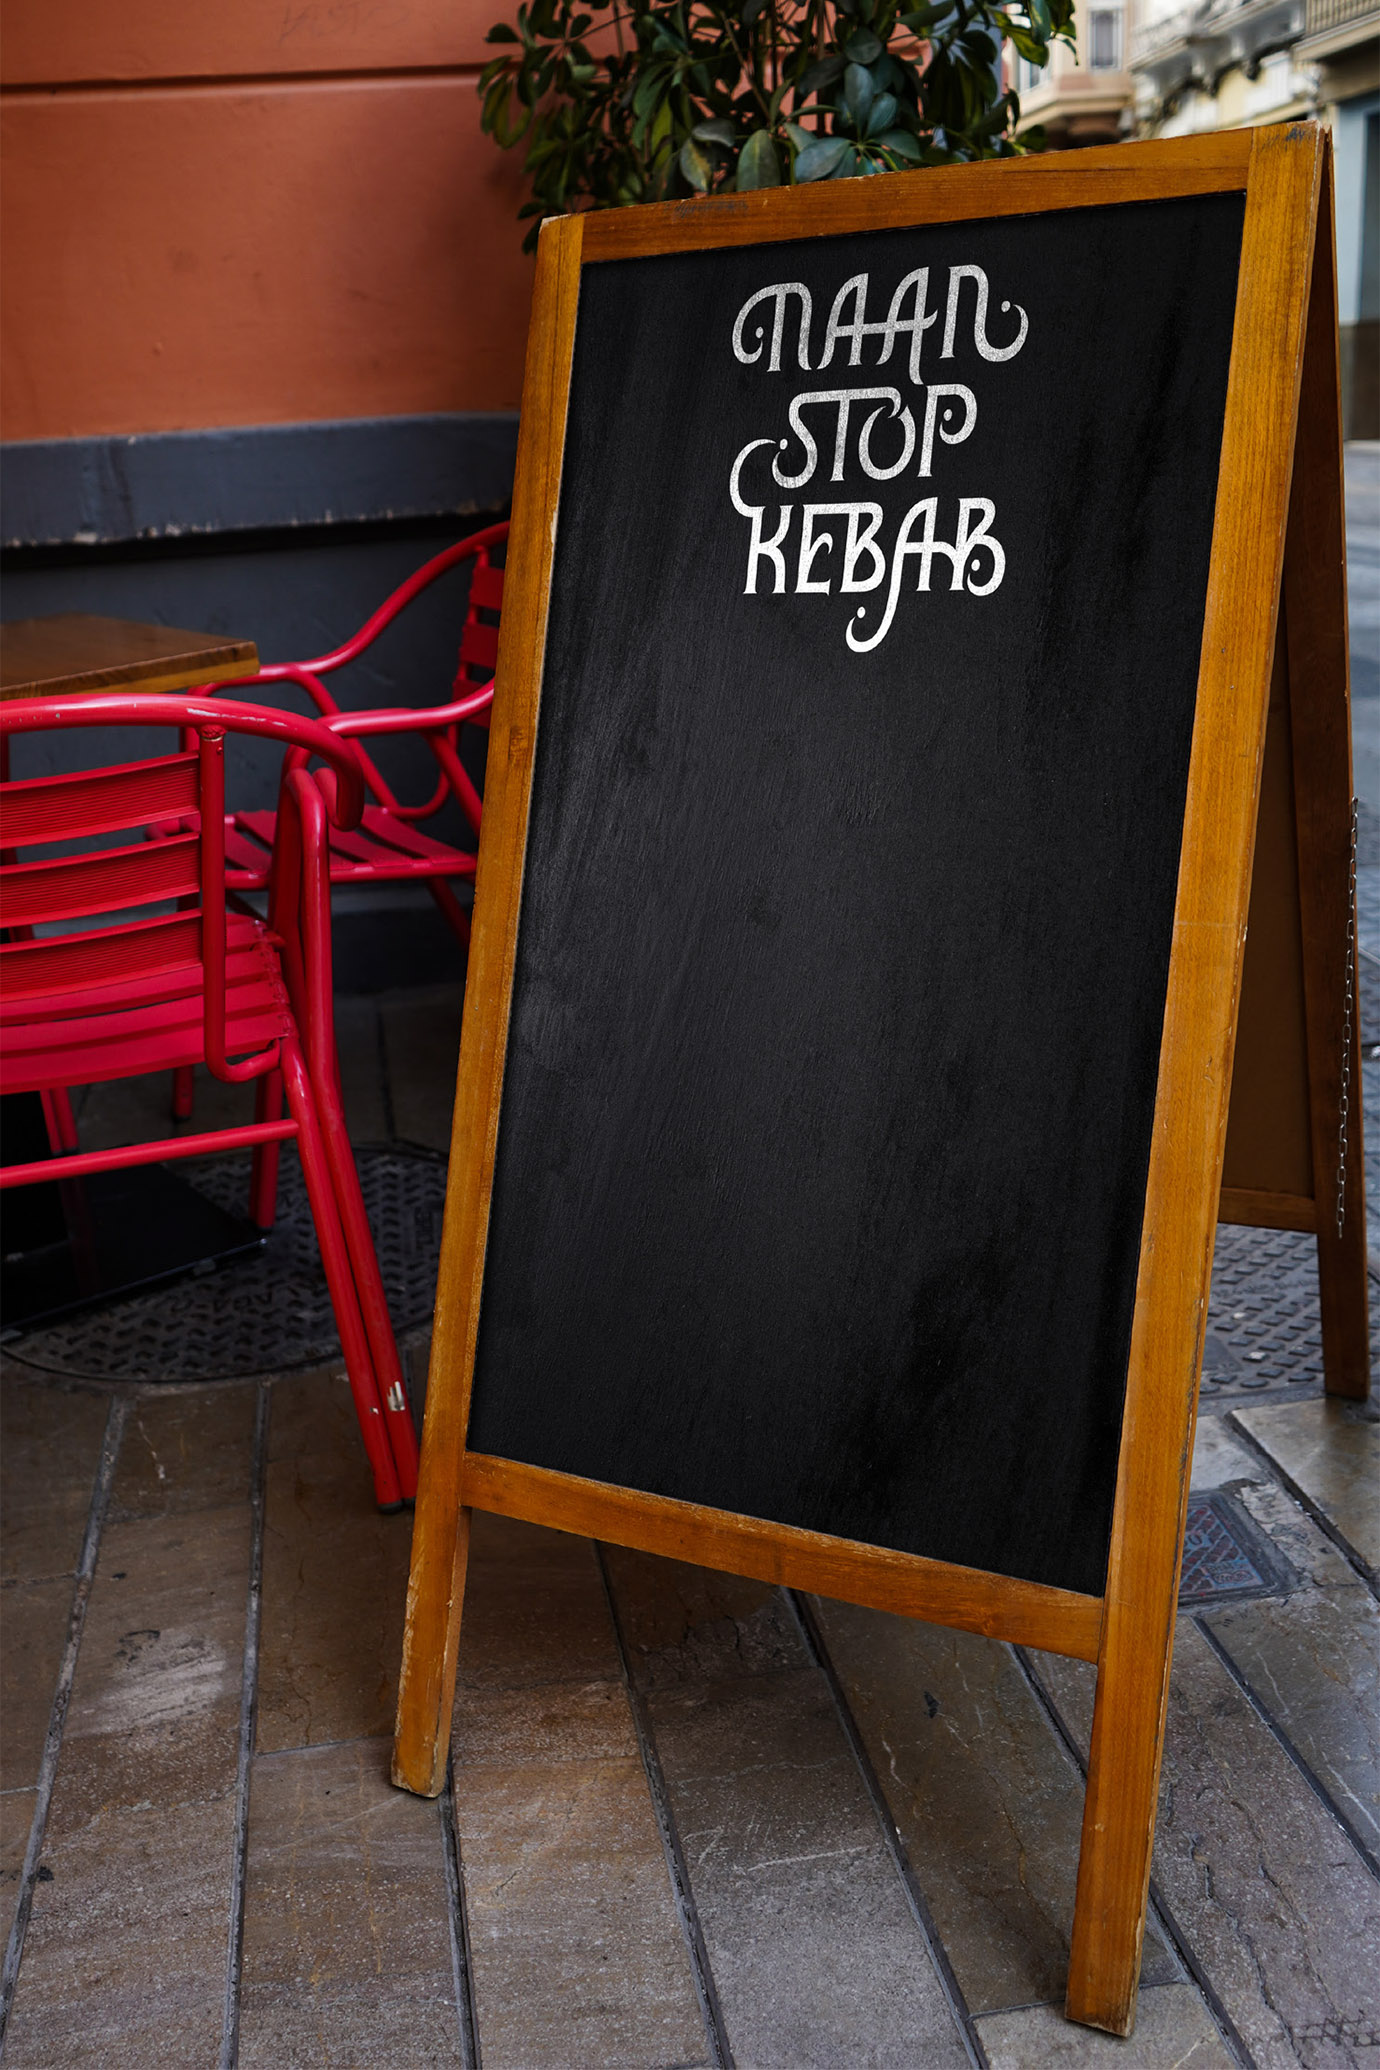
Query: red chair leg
[(263, 1179), (184, 1092), (402, 1432), (59, 1120), (450, 905), (335, 1258)]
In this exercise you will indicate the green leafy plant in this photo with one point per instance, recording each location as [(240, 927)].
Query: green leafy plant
[(642, 100)]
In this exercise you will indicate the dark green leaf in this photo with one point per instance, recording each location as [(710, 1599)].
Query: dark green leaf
[(818, 159), (848, 165), (858, 92), (801, 138), (821, 75), (902, 144), (501, 33), (863, 47), (882, 114), (751, 10), (719, 131), (758, 165), (697, 166)]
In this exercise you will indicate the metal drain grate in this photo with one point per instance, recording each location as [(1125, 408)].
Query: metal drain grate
[(1264, 1328), (1227, 1555), (272, 1312)]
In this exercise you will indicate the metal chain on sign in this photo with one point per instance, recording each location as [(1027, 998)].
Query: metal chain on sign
[(1349, 1015)]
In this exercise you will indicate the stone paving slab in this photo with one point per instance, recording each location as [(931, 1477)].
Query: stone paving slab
[(1268, 1891), (535, 1610), (124, 1966), (347, 1955), (577, 1953), (184, 1451), (154, 1711), (16, 1819), (689, 1624), (1310, 1553), (1330, 1450), (1219, 1456), (329, 1653), (1312, 1661), (577, 1949), (817, 1958), (35, 1616), (1173, 2032), (50, 1444), (986, 1799)]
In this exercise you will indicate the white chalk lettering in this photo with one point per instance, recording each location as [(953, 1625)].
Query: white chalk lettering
[(876, 433), (947, 393), (776, 295), (968, 540), (811, 548), (957, 276), (843, 400), (760, 548)]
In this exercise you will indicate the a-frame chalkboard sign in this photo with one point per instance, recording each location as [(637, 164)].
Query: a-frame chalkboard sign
[(909, 580)]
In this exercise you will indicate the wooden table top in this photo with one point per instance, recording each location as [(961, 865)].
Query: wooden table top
[(77, 653)]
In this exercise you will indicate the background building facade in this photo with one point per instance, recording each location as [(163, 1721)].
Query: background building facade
[(1158, 68)]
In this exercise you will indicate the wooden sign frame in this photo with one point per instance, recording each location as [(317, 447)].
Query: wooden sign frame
[(1283, 373)]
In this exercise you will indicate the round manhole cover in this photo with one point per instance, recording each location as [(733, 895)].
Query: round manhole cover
[(270, 1312)]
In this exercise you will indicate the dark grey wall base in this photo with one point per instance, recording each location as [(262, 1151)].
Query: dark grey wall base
[(386, 943), (89, 491)]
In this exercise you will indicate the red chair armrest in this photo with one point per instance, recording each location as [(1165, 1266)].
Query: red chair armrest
[(430, 718)]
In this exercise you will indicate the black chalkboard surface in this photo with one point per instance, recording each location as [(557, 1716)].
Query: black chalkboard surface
[(840, 973), (892, 647)]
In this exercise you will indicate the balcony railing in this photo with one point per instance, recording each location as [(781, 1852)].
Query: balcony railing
[(1331, 14), (1169, 29)]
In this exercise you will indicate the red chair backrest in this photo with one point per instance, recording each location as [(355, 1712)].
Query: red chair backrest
[(174, 807), (479, 639)]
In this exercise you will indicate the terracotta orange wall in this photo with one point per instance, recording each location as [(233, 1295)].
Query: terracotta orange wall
[(265, 211)]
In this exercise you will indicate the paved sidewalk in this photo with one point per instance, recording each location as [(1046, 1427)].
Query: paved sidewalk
[(877, 1821)]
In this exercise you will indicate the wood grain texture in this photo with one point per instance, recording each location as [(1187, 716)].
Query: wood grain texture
[(1269, 1124), (1315, 606), (75, 652), (1195, 1075), (440, 1536), (1053, 1619), (943, 194), (1261, 1209)]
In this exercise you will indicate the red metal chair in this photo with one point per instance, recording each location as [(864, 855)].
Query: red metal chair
[(389, 845), (119, 997)]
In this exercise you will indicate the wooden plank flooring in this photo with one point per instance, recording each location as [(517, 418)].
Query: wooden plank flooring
[(693, 1821)]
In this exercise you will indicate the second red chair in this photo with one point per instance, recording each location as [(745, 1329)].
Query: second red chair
[(120, 992)]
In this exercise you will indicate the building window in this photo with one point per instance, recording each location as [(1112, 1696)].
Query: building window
[(1029, 77), (1104, 39)]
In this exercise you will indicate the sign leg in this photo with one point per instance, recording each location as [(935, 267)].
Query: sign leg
[(1122, 1794), (431, 1645), (1320, 723)]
